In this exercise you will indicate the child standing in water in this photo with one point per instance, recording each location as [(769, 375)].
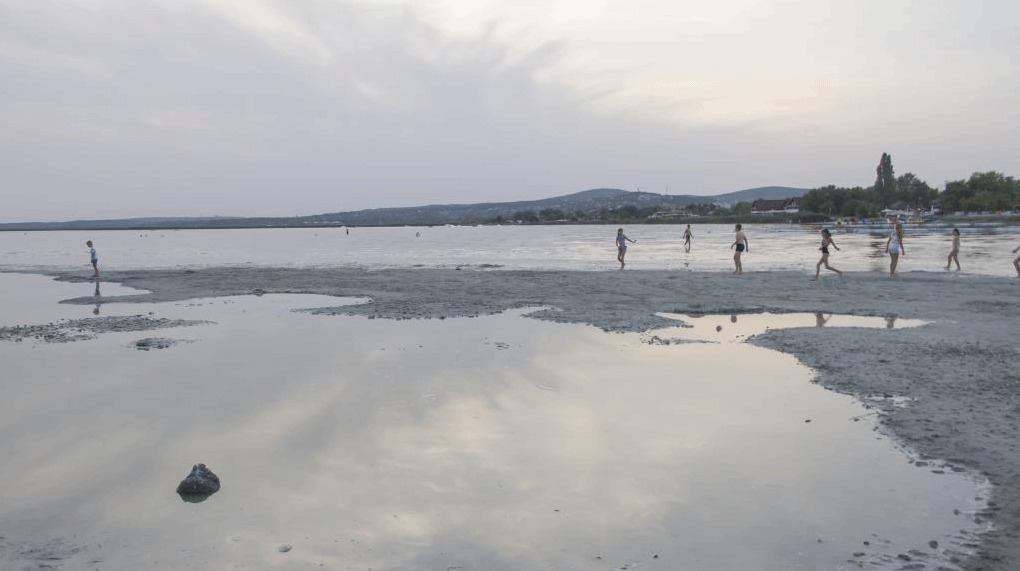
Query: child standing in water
[(826, 242), (687, 238), (954, 253), (894, 246), (621, 246), (94, 257), (740, 242)]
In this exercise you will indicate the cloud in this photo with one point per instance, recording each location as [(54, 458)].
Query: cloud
[(115, 108)]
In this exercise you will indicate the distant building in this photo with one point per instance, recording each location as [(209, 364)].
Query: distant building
[(781, 206)]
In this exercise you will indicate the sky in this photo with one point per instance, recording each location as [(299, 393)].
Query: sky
[(124, 108)]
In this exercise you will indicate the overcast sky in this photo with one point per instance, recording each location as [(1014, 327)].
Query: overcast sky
[(120, 108)]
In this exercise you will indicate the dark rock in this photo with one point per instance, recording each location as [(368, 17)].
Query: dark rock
[(201, 482)]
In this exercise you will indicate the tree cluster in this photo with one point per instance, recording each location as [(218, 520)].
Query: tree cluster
[(983, 191), (988, 191)]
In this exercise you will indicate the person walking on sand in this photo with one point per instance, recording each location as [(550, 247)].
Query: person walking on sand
[(954, 254), (1016, 263), (94, 257), (687, 238), (826, 242), (621, 246), (740, 243), (894, 247)]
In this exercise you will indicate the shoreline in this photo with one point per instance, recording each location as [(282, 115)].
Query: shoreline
[(960, 372)]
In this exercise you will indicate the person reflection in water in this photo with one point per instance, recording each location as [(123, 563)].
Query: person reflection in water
[(890, 322), (820, 319), (97, 295)]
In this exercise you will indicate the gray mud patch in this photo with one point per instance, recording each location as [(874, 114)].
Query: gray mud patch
[(150, 343), (70, 330), (33, 555)]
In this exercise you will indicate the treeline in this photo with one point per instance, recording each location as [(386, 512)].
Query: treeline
[(628, 213), (982, 192)]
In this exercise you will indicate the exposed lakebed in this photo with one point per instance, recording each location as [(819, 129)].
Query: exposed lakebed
[(497, 442)]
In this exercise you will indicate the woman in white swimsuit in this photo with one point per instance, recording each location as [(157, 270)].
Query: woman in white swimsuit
[(894, 246)]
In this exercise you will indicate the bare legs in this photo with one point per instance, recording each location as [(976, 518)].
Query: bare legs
[(736, 263), (953, 257), (1016, 264), (825, 261), (620, 256), (892, 264)]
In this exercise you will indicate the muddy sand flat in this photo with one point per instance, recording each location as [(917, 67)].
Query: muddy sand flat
[(960, 373)]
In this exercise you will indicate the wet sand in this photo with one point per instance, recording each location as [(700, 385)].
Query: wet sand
[(961, 372)]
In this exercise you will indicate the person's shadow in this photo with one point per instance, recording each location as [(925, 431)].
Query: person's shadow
[(97, 295)]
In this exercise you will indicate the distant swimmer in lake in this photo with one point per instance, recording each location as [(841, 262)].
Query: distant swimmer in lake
[(826, 242), (954, 254), (894, 247), (687, 238), (740, 243), (621, 246)]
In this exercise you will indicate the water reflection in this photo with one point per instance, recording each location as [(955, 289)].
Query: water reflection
[(707, 326), (495, 442), (97, 295)]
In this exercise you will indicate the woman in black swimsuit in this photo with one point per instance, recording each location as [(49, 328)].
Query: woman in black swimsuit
[(826, 242)]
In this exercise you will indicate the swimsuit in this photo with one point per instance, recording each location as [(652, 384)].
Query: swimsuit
[(894, 245), (740, 247), (826, 250)]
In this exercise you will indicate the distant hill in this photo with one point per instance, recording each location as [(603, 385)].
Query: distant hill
[(587, 201)]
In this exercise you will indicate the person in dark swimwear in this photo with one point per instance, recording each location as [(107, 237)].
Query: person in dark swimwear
[(826, 242), (740, 243), (687, 238)]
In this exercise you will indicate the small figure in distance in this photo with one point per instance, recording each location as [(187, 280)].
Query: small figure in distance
[(94, 257), (687, 238), (1016, 263), (826, 242), (740, 243), (954, 254), (621, 246), (894, 247)]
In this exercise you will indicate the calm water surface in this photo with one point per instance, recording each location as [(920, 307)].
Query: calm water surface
[(497, 442), (985, 250)]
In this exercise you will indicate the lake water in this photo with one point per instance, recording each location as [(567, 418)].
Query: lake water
[(985, 250), (497, 443)]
